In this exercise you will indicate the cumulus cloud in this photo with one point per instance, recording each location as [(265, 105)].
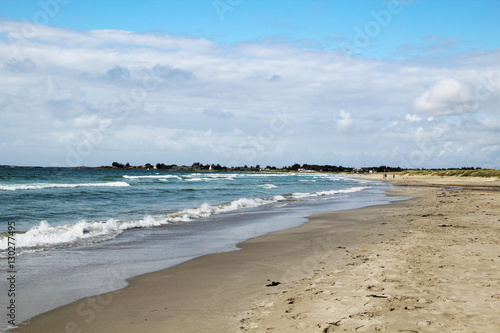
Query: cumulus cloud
[(186, 85), (412, 117), (446, 97), (343, 120)]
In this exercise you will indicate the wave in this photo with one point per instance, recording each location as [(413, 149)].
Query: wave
[(195, 179), (190, 177), (152, 177), (39, 186), (270, 174), (209, 177), (229, 176), (268, 186), (45, 236), (299, 195), (329, 177), (207, 210)]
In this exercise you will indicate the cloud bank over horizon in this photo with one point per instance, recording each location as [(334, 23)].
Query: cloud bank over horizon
[(71, 97)]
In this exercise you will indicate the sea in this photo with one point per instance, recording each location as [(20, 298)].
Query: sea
[(69, 233)]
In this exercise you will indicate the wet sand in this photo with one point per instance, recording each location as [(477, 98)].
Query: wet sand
[(431, 264)]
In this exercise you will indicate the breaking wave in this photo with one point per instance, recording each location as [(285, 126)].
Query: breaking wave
[(45, 236), (40, 186), (268, 186)]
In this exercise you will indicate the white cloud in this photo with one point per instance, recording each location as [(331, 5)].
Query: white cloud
[(343, 120), (91, 121), (446, 97), (412, 117), (143, 97)]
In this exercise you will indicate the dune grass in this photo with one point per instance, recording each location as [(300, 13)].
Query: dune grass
[(454, 172)]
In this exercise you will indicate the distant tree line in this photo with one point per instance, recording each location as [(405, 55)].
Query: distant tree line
[(119, 165), (218, 167), (318, 167), (294, 167)]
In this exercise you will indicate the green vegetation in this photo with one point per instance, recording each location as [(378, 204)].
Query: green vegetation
[(197, 166), (464, 172)]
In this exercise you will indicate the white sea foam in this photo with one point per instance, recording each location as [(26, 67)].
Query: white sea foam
[(226, 175), (268, 186), (269, 174), (329, 177), (39, 186), (195, 179), (152, 177), (45, 236), (207, 210), (299, 195), (210, 177), (146, 222)]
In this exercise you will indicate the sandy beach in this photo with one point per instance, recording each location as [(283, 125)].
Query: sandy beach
[(429, 264)]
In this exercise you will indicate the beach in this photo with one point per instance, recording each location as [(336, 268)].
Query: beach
[(426, 264)]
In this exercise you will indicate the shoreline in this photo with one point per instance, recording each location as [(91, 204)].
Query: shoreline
[(288, 280), (435, 181)]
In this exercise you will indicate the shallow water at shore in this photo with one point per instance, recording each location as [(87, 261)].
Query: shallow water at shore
[(53, 278), (60, 208), (203, 213)]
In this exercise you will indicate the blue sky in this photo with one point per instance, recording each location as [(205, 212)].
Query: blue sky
[(409, 83), (326, 24)]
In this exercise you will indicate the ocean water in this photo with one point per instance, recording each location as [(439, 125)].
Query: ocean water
[(80, 232)]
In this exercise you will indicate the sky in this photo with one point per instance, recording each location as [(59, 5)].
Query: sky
[(409, 83)]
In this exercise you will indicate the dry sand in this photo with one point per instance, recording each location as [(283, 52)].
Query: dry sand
[(431, 264), (435, 181)]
